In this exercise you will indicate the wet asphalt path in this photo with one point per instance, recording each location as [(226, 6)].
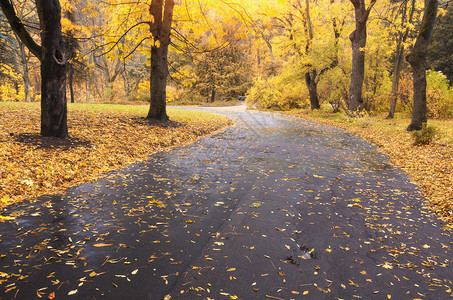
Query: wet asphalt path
[(272, 208)]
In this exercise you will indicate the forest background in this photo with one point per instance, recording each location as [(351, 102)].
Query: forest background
[(221, 50), (280, 54)]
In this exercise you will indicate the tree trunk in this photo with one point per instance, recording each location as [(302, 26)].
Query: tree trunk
[(358, 40), (417, 60), (310, 76), (213, 95), (396, 80), (159, 73), (71, 82), (53, 71), (310, 80), (160, 30)]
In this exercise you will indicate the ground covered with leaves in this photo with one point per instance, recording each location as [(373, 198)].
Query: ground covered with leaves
[(429, 166), (102, 138)]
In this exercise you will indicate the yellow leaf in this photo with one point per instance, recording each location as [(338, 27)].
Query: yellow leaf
[(231, 269), (305, 293), (2, 218), (102, 245)]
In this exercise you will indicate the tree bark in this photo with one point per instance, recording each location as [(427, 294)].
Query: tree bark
[(160, 29), (312, 84), (358, 40), (53, 63), (417, 60), (53, 71)]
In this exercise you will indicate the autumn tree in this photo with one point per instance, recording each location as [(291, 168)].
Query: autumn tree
[(223, 71), (358, 39), (160, 28), (417, 60), (53, 63), (407, 16), (6, 43), (440, 56), (72, 46)]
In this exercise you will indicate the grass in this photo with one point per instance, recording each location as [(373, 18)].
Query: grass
[(191, 102), (103, 137), (429, 166)]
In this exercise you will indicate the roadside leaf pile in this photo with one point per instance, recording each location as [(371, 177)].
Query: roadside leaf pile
[(100, 141)]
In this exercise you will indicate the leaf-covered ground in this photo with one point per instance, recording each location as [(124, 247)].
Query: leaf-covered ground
[(430, 166), (102, 138)]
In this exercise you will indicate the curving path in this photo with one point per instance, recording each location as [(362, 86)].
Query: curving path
[(272, 208)]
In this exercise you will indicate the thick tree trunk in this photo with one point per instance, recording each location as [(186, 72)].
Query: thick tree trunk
[(159, 74), (417, 60), (53, 71), (310, 80), (358, 40), (160, 30)]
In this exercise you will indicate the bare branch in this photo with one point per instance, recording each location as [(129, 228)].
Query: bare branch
[(19, 28)]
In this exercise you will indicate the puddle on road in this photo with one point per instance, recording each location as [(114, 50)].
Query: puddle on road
[(307, 253)]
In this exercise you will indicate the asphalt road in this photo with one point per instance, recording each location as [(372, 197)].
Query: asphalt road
[(272, 208)]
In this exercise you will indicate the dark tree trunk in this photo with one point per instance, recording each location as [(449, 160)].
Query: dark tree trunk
[(417, 60), (53, 71), (53, 63), (213, 96), (310, 80), (160, 30), (358, 40), (310, 76)]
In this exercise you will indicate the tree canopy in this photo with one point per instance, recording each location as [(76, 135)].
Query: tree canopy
[(347, 55)]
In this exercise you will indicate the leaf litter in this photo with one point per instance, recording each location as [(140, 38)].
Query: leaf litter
[(100, 141)]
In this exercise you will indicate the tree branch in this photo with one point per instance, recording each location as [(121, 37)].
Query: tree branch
[(19, 28)]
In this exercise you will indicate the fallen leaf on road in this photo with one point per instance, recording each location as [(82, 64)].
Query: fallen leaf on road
[(102, 245)]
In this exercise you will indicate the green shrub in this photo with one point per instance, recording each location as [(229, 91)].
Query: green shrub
[(424, 136)]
